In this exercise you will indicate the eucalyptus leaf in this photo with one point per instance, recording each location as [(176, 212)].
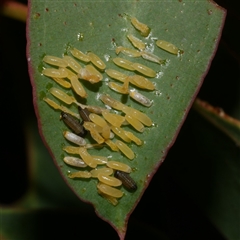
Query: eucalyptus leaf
[(54, 27)]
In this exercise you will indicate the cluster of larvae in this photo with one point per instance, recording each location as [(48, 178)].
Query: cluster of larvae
[(99, 122)]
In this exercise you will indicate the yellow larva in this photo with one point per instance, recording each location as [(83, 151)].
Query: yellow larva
[(72, 63), (141, 82), (105, 171), (113, 192), (133, 138), (59, 62), (110, 199), (136, 42), (61, 95), (111, 102), (90, 74), (97, 119), (125, 149), (100, 159), (169, 47), (116, 75), (123, 89), (144, 70), (135, 123), (80, 55), (90, 125), (121, 133), (53, 72), (74, 138), (142, 117), (60, 107), (151, 57), (62, 82), (71, 149), (74, 161), (94, 133), (143, 28), (112, 145), (106, 133), (123, 63), (80, 174), (140, 98), (78, 87), (108, 180), (115, 119), (86, 157), (119, 166), (96, 61), (128, 51)]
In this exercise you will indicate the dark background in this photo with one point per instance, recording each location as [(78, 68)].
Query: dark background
[(167, 210)]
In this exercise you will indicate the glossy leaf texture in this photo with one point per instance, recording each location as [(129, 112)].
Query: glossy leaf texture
[(56, 26)]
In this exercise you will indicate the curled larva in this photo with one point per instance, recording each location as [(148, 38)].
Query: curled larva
[(56, 61), (140, 98), (169, 47), (136, 42), (74, 138), (141, 27)]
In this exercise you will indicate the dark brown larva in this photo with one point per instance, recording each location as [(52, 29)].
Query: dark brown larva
[(84, 113), (127, 181), (73, 124)]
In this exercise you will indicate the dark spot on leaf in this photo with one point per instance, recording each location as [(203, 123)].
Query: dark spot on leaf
[(198, 51), (177, 77), (75, 4), (209, 11), (46, 9), (39, 44), (180, 0), (36, 15), (120, 15)]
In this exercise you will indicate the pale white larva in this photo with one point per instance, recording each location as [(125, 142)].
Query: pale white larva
[(140, 98)]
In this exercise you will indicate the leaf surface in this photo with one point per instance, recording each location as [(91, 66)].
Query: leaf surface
[(56, 26)]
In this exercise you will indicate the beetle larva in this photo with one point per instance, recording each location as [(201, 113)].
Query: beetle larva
[(119, 166), (136, 42), (74, 161), (169, 47), (73, 124), (97, 119), (78, 87), (74, 138), (112, 145), (110, 199), (114, 119), (133, 137), (84, 114), (135, 123), (142, 117), (104, 170), (141, 82), (94, 133), (71, 149), (108, 180), (111, 102), (140, 98), (62, 82), (141, 27), (61, 95), (91, 125), (123, 63), (114, 192), (53, 72), (87, 158), (90, 74), (123, 89), (116, 75), (72, 63), (96, 61), (106, 132), (56, 61), (144, 70), (59, 107), (80, 55), (127, 51), (126, 179), (121, 133), (80, 174), (125, 149)]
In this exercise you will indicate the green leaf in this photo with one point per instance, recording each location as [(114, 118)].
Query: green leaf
[(193, 26), (227, 124)]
